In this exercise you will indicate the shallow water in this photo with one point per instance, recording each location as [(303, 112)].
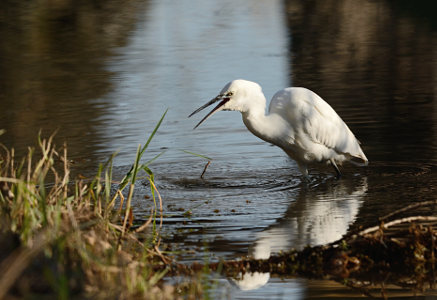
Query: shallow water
[(103, 74)]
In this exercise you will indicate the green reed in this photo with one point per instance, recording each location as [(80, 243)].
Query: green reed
[(70, 234)]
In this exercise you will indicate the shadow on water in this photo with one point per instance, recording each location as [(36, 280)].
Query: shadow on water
[(374, 62), (53, 71)]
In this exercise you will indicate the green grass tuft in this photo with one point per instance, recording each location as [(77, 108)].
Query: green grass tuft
[(66, 238)]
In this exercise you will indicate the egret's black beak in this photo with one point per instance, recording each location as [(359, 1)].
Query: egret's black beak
[(217, 108)]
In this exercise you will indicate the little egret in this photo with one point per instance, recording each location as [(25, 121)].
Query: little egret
[(299, 122)]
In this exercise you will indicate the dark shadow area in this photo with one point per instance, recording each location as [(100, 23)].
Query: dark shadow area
[(52, 70), (374, 62)]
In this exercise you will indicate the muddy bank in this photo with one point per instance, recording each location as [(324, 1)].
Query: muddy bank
[(400, 252)]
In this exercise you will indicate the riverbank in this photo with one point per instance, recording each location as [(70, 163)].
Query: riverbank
[(68, 237)]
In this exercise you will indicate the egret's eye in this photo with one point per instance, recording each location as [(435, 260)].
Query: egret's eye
[(229, 94)]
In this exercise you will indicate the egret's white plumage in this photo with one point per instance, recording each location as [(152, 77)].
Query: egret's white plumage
[(299, 122)]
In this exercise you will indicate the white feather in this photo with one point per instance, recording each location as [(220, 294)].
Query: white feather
[(299, 121)]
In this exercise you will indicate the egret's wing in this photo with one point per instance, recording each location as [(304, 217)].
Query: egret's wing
[(309, 114)]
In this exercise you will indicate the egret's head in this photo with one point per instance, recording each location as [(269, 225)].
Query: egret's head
[(236, 95)]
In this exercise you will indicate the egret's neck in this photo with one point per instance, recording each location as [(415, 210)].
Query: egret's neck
[(268, 127)]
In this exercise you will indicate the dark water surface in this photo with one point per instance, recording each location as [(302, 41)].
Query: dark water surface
[(103, 72)]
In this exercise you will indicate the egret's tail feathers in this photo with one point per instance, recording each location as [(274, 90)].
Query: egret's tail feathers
[(359, 160)]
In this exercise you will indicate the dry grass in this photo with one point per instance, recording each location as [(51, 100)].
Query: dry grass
[(65, 238)]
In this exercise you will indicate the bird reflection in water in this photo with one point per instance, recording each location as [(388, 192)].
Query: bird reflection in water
[(318, 216)]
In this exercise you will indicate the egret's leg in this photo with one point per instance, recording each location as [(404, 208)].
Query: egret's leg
[(303, 169), (336, 169)]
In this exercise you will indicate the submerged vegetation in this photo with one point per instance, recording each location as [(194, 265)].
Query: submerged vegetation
[(64, 238)]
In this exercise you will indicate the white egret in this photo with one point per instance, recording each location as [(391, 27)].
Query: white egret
[(299, 122)]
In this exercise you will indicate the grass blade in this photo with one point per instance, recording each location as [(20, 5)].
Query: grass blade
[(196, 154), (153, 133), (134, 169)]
